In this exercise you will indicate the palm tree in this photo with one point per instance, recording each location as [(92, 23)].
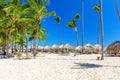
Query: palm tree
[(117, 8), (22, 17), (97, 9), (72, 24), (82, 26), (102, 30), (58, 20), (14, 12), (77, 17), (39, 11)]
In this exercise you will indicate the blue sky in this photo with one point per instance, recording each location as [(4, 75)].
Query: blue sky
[(67, 9)]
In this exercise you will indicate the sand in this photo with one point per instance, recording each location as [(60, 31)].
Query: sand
[(61, 67)]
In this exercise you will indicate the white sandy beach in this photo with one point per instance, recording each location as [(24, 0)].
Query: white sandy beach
[(61, 67)]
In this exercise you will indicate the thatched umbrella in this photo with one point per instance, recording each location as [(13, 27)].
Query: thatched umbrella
[(47, 48), (97, 48), (40, 48), (78, 48), (55, 48), (114, 48), (69, 47), (61, 48), (89, 48)]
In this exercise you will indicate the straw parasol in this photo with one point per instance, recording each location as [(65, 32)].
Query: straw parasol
[(69, 47), (97, 48), (114, 48), (78, 48), (61, 46), (55, 46), (40, 48), (89, 48), (47, 48)]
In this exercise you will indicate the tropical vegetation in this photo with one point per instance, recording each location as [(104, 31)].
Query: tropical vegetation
[(20, 23)]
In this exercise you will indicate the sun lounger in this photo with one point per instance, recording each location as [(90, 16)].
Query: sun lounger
[(3, 55)]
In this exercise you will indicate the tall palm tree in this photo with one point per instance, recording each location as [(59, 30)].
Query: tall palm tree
[(102, 30), (117, 9), (39, 11), (58, 20), (82, 26), (77, 17), (97, 9), (72, 24), (15, 12)]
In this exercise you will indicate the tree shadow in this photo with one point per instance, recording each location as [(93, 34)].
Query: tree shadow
[(66, 54), (89, 65), (85, 66)]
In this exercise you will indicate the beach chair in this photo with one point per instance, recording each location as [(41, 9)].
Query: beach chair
[(3, 55)]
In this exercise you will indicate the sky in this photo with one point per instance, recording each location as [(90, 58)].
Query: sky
[(67, 9)]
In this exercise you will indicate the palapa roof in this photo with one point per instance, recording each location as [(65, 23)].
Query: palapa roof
[(115, 45), (78, 48), (55, 46), (97, 46)]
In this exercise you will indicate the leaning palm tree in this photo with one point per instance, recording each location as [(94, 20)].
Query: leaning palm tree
[(58, 20), (38, 11), (117, 9)]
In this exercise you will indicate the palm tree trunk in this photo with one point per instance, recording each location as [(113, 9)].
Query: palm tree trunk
[(102, 30), (15, 42), (78, 34), (12, 43), (82, 25), (7, 46), (60, 35), (117, 9), (77, 37), (22, 46), (8, 40), (99, 32), (34, 47), (26, 45), (35, 42)]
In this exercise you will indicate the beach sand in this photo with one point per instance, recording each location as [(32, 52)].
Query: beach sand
[(61, 67)]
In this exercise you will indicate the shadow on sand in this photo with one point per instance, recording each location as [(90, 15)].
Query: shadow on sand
[(89, 65), (85, 66)]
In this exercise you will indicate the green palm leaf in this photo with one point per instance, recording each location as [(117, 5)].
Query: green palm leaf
[(72, 24)]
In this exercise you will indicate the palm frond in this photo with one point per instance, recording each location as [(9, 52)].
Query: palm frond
[(72, 24), (97, 8), (58, 19)]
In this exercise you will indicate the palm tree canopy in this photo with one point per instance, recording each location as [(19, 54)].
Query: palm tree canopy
[(77, 16), (97, 8), (58, 19), (72, 24)]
